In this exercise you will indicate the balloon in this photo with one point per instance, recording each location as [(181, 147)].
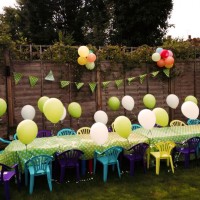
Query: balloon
[(159, 49), (172, 101), (28, 112), (41, 102), (83, 51), (101, 116), (122, 126), (113, 103), (190, 110), (82, 60), (147, 118), (91, 57), (162, 117), (191, 98), (74, 109), (161, 63), (169, 66), (128, 102), (156, 57), (149, 101), (27, 131), (53, 110), (164, 53), (64, 114), (90, 65), (3, 107), (169, 61), (170, 53), (99, 133)]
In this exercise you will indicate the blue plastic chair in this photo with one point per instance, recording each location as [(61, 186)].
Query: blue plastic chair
[(15, 136), (135, 126), (193, 121), (4, 141), (37, 166), (66, 131), (108, 157)]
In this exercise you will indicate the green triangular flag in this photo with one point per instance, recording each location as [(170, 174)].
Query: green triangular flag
[(79, 85), (130, 79), (142, 77), (50, 76), (17, 77), (92, 86), (33, 80), (118, 83), (105, 84), (64, 83), (154, 74), (166, 71)]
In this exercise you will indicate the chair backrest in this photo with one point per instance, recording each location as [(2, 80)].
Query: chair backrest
[(193, 143), (83, 130), (177, 123), (139, 149), (165, 147), (66, 131), (39, 163), (112, 153), (15, 136), (193, 121), (135, 126), (5, 141), (44, 133)]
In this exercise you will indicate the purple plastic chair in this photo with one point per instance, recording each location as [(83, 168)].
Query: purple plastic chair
[(190, 146), (44, 133), (68, 159), (6, 174), (137, 153)]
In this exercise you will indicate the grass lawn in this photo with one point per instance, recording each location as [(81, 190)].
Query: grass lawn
[(183, 184)]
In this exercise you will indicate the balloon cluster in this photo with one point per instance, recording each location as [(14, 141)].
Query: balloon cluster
[(163, 58), (86, 57)]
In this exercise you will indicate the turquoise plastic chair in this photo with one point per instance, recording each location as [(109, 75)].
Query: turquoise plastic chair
[(15, 136), (4, 141), (135, 126), (108, 157), (193, 121), (66, 131), (38, 166)]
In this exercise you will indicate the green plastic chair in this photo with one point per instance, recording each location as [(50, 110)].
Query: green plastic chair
[(38, 166), (108, 157), (66, 131)]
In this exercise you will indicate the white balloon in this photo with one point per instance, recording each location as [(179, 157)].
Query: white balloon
[(172, 101), (147, 118), (28, 112), (190, 110), (101, 116), (128, 102), (64, 114), (99, 133)]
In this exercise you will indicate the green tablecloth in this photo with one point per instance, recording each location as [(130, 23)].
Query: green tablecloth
[(16, 152)]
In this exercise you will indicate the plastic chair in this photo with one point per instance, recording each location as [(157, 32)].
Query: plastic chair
[(44, 133), (164, 152), (190, 146), (15, 136), (68, 159), (37, 166), (4, 141), (177, 123), (137, 153), (193, 121), (6, 174), (66, 131), (108, 157), (135, 126), (83, 130), (113, 128)]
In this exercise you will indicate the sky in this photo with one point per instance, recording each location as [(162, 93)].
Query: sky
[(185, 16)]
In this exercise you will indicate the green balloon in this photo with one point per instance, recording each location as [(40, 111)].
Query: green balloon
[(114, 103), (191, 98), (149, 101), (74, 109), (3, 107), (122, 126), (41, 102), (162, 117)]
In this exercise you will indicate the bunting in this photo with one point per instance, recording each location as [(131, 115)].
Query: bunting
[(17, 77), (130, 80), (105, 84), (92, 86), (64, 83), (33, 80), (154, 74), (79, 85), (118, 83), (50, 76), (166, 72), (142, 77)]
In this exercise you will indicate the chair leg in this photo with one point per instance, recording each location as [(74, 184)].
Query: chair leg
[(49, 180), (132, 167), (26, 177), (83, 167), (144, 165), (31, 184), (105, 172), (94, 166), (118, 168), (62, 174), (90, 166), (157, 166), (148, 157), (187, 159), (77, 172), (171, 162), (7, 190)]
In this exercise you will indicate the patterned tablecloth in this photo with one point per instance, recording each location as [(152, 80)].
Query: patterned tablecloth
[(16, 152)]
